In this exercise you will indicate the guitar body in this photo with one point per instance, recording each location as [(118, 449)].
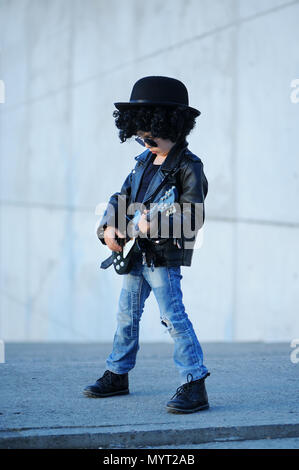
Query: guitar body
[(122, 261)]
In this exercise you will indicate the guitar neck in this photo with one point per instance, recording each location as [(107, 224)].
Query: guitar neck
[(152, 213)]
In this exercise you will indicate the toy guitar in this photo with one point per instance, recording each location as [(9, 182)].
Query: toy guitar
[(121, 260)]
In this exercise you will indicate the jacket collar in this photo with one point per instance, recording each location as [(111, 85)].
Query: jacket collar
[(172, 159), (171, 162)]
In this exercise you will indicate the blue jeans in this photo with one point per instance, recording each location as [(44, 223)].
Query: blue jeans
[(165, 283)]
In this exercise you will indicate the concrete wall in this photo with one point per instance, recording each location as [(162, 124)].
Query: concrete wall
[(64, 63)]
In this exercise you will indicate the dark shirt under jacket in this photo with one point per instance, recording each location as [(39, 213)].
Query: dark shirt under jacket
[(147, 176)]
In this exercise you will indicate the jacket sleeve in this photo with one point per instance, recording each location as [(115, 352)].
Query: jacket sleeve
[(116, 210), (190, 210)]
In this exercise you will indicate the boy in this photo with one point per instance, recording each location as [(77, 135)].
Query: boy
[(159, 115)]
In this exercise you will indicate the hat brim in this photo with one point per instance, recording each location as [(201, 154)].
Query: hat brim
[(126, 105)]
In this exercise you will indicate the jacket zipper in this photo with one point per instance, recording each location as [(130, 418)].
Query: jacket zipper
[(177, 243)]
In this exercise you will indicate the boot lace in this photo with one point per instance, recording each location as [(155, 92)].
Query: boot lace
[(183, 389), (106, 379)]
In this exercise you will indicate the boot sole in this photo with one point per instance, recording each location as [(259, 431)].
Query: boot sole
[(180, 410), (90, 394)]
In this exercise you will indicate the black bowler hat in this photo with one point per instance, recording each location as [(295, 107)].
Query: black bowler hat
[(156, 90)]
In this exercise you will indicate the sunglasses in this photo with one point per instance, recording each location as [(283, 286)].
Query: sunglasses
[(147, 141)]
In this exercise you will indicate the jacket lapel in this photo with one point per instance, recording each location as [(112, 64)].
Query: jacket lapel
[(171, 162), (142, 162)]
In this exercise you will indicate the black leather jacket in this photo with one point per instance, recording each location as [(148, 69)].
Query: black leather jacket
[(192, 187)]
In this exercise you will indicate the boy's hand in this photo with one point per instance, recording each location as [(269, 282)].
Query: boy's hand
[(143, 224), (110, 233)]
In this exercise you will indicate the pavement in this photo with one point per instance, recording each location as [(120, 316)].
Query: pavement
[(253, 392)]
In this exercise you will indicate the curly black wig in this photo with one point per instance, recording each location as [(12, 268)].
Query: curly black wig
[(173, 123)]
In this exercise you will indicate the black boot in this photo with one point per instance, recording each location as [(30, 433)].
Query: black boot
[(109, 384), (189, 397)]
